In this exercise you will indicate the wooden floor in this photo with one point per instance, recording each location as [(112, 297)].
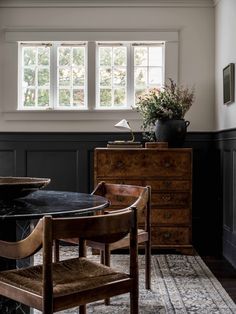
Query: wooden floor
[(224, 272)]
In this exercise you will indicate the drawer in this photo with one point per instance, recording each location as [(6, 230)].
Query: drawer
[(170, 185), (170, 216), (165, 235), (142, 163), (121, 181), (171, 199)]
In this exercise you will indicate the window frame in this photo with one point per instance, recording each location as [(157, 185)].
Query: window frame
[(54, 86), (10, 59)]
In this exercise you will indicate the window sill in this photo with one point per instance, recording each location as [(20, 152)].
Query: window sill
[(69, 115)]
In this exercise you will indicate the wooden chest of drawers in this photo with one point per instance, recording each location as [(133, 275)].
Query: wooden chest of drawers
[(169, 173)]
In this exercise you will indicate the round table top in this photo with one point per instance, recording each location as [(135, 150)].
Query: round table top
[(55, 203)]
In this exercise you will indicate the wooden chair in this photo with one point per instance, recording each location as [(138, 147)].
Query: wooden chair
[(59, 285), (140, 197), (125, 195)]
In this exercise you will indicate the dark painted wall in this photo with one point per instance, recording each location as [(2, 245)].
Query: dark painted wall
[(225, 143), (67, 158)]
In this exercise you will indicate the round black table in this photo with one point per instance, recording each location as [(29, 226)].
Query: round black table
[(55, 203), (16, 215)]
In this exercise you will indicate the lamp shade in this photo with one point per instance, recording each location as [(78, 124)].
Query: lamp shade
[(123, 124)]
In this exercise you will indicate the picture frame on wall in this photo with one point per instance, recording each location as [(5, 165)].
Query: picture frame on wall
[(228, 84)]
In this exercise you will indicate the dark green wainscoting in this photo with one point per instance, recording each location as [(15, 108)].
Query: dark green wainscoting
[(67, 158)]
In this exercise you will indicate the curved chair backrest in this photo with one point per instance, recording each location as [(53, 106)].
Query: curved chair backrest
[(121, 195)]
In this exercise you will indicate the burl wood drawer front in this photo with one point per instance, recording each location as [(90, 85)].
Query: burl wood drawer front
[(165, 235), (170, 199), (133, 163), (121, 181), (170, 216), (170, 185)]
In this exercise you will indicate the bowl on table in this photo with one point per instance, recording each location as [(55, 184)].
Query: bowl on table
[(16, 187)]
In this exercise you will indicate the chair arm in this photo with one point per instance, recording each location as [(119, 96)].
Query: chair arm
[(23, 248)]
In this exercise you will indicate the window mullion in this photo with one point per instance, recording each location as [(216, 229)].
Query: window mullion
[(54, 84), (36, 78), (91, 75), (20, 77), (130, 76)]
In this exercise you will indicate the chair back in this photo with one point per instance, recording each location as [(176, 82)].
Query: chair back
[(120, 195), (103, 228)]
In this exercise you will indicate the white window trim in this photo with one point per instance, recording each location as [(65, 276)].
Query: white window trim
[(14, 35)]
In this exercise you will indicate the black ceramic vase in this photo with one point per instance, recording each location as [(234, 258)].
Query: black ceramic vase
[(171, 131)]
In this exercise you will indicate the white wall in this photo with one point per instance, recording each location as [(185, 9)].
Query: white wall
[(225, 26), (196, 58)]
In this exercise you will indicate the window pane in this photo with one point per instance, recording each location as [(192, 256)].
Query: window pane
[(140, 77), (78, 77), (29, 77), (105, 97), (120, 56), (64, 97), (29, 55), (78, 56), (106, 77), (29, 98), (119, 76), (64, 77), (43, 55), (43, 97), (119, 97), (155, 56), (64, 56), (138, 92), (155, 76), (105, 56), (140, 56), (78, 97), (43, 77)]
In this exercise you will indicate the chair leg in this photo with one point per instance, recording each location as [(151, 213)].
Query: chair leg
[(107, 260), (148, 265), (134, 303), (82, 309)]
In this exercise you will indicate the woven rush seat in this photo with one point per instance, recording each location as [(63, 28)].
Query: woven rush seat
[(78, 274)]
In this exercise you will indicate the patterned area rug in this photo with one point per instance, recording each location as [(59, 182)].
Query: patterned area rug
[(180, 284)]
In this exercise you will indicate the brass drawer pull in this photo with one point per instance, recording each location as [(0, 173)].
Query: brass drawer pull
[(167, 184), (168, 215), (167, 235), (119, 164), (166, 198)]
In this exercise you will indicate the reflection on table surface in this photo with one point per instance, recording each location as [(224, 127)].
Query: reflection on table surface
[(55, 203)]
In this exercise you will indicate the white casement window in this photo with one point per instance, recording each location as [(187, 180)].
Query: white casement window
[(56, 75), (53, 76), (112, 76), (148, 67)]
